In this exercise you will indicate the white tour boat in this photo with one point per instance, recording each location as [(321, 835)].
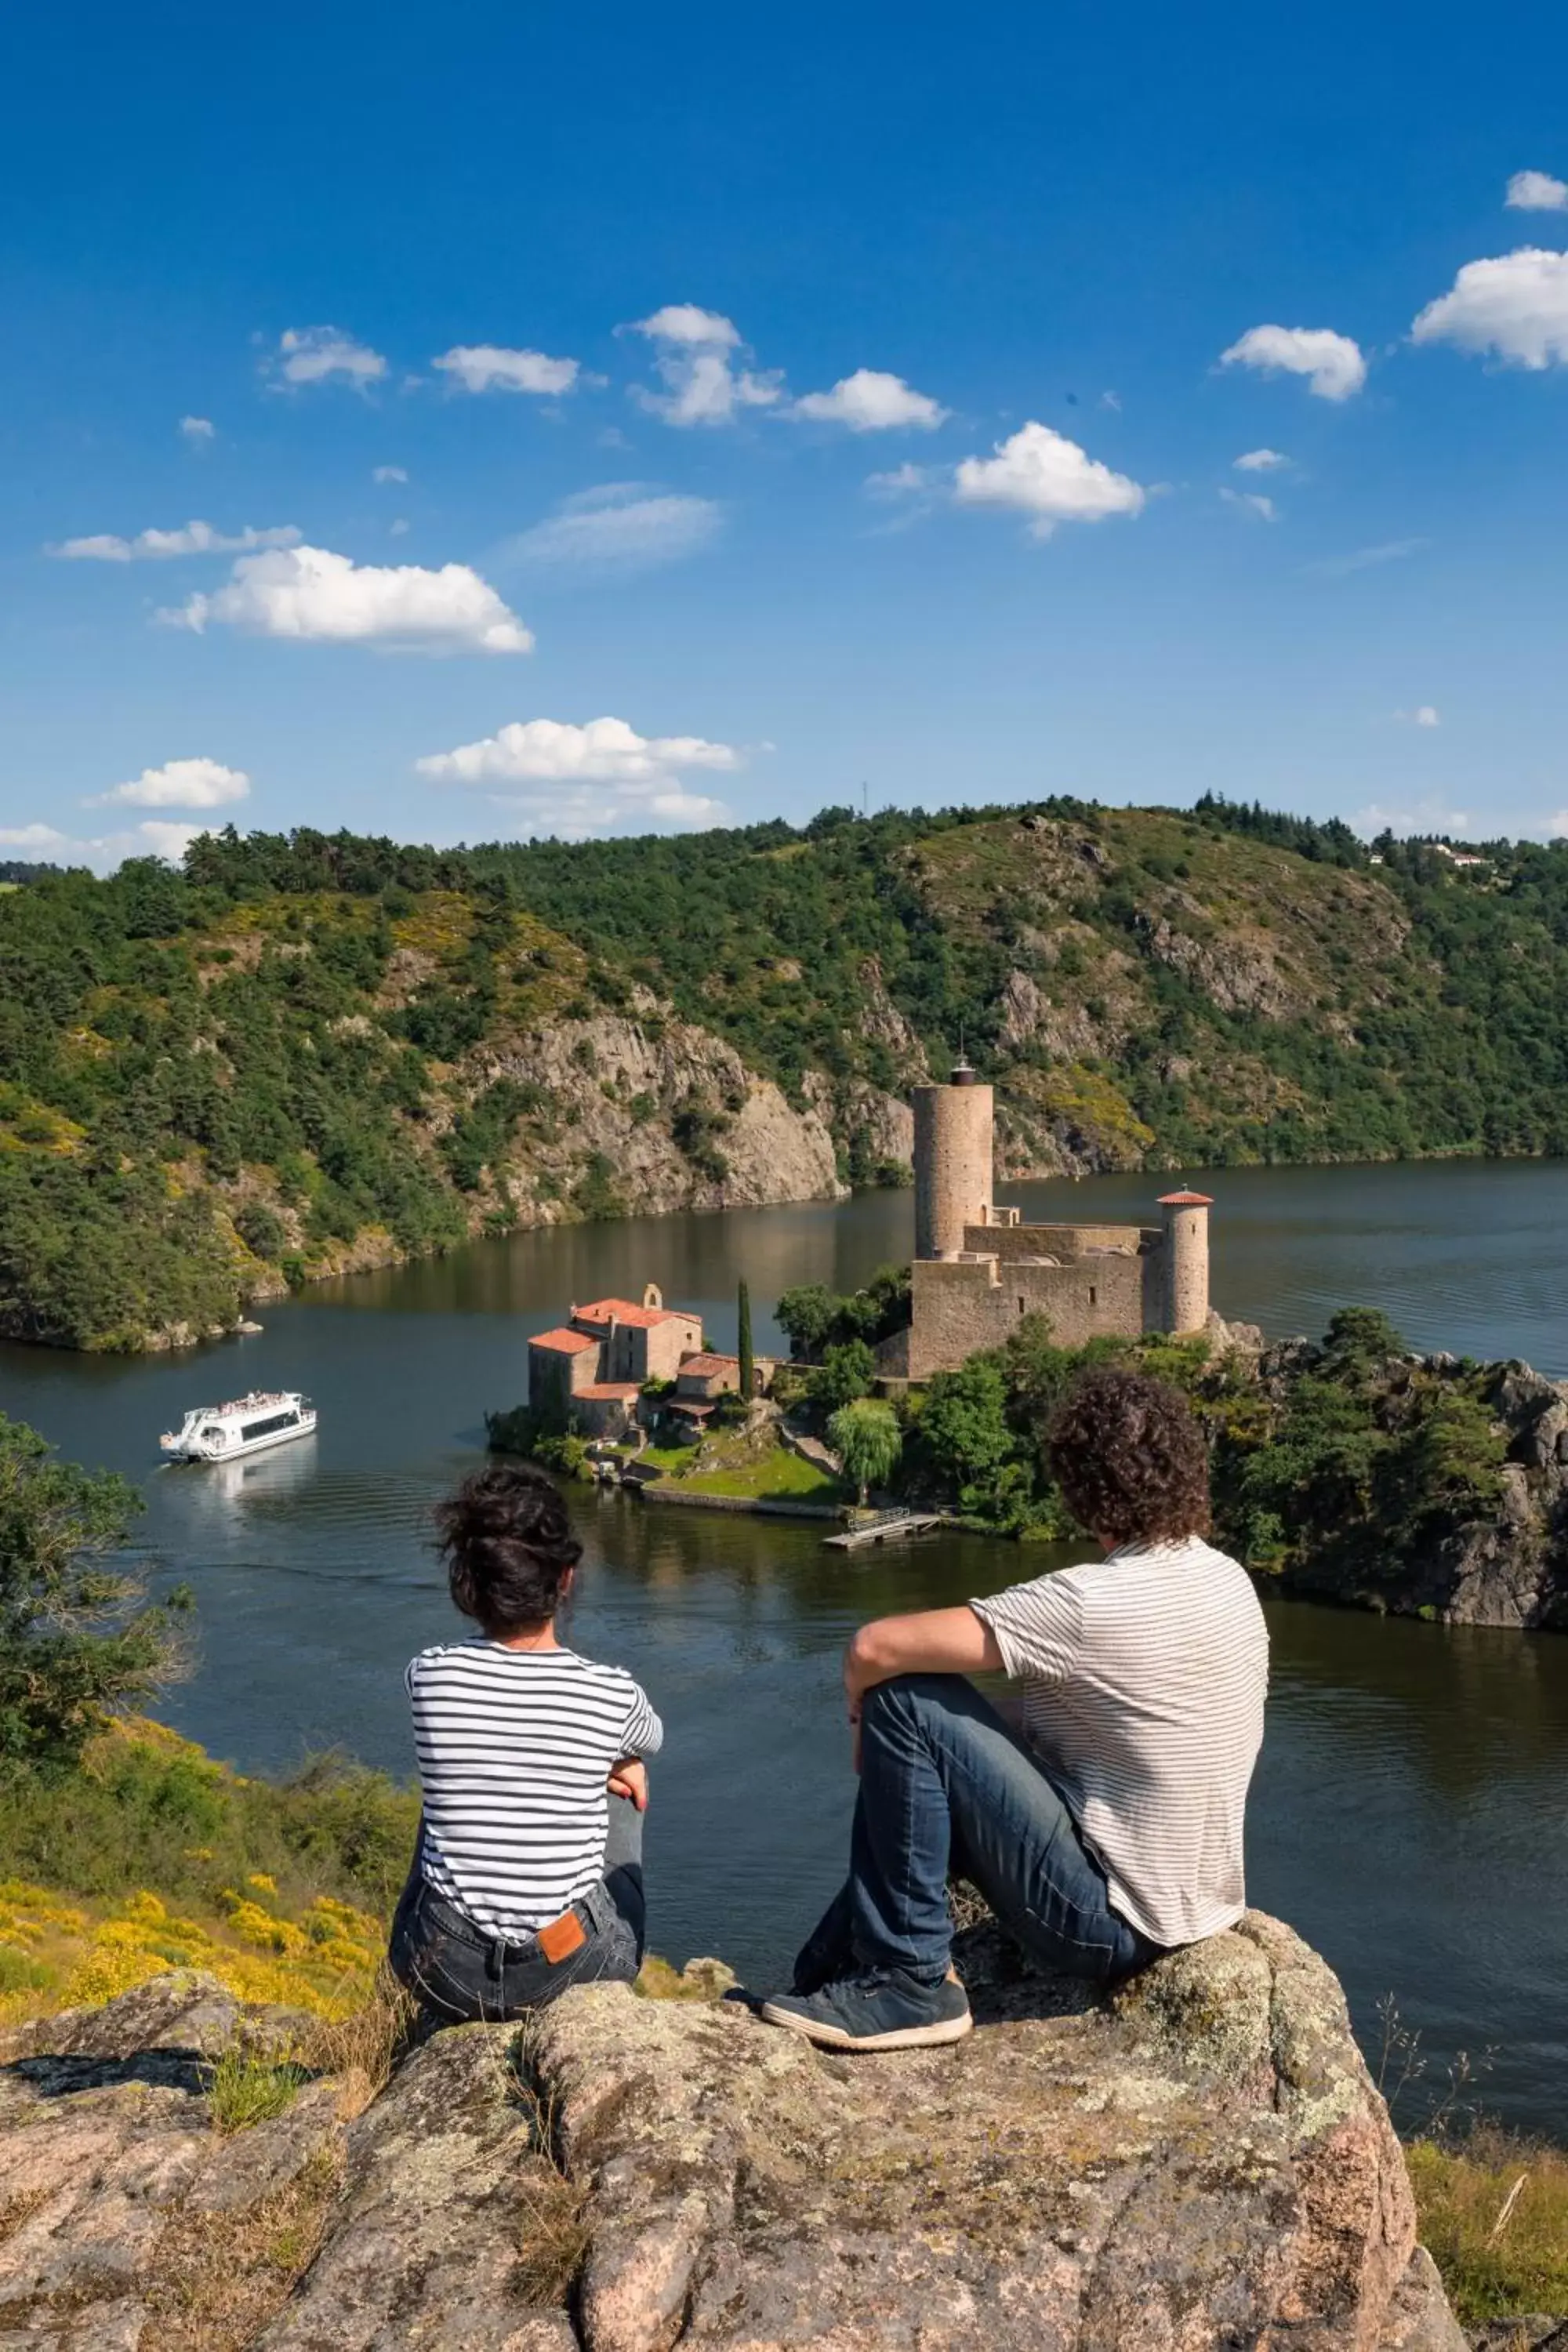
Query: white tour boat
[(222, 1433)]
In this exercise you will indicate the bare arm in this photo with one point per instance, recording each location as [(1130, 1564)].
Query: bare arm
[(931, 1642)]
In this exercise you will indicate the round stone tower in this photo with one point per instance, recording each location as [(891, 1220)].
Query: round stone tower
[(1186, 1260), (953, 1162)]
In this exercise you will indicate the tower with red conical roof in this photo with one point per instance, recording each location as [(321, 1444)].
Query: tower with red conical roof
[(1186, 1216)]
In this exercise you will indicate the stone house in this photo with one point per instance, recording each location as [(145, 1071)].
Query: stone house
[(590, 1370)]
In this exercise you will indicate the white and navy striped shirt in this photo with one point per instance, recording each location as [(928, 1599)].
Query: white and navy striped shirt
[(514, 1748), (1145, 1675)]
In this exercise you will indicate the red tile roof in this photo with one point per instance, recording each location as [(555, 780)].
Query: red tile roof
[(1186, 1200), (563, 1342), (641, 1319), (705, 1366)]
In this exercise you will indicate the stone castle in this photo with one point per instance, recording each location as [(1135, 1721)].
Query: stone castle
[(977, 1270)]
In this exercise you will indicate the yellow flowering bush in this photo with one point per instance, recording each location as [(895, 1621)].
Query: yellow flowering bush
[(169, 1860)]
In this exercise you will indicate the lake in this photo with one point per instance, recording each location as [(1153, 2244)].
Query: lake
[(1409, 1814)]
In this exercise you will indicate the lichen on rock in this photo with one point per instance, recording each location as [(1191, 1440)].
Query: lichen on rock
[(1198, 2162)]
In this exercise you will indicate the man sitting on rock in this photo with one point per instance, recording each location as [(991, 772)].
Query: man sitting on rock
[(1108, 1827)]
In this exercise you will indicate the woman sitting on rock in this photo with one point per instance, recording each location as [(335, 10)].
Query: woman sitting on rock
[(528, 1876), (1108, 1827)]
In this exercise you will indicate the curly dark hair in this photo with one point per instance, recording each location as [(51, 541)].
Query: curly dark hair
[(1128, 1454), (508, 1545)]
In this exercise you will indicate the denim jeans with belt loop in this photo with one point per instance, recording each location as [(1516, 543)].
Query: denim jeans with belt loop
[(460, 1975)]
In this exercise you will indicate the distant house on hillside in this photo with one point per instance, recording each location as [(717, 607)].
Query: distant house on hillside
[(590, 1369)]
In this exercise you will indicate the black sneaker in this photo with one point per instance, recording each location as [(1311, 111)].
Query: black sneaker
[(883, 2009)]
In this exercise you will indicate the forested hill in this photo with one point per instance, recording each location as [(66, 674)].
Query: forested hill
[(311, 1051)]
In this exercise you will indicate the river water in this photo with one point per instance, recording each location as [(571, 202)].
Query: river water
[(1409, 1814)]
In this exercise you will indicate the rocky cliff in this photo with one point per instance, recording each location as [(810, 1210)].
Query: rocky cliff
[(1463, 1548), (1200, 2162)]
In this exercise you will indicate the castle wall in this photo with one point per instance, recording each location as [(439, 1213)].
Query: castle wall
[(953, 1148), (960, 1305)]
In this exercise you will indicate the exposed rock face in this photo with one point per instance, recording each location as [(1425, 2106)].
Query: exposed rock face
[(1202, 2163), (1238, 974), (618, 1089)]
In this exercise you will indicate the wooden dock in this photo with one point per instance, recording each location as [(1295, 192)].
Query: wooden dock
[(887, 1527)]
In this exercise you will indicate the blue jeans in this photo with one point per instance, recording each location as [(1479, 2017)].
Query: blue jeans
[(947, 1785), (460, 1975)]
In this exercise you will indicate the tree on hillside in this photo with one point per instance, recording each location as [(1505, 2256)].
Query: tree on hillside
[(865, 1436), (743, 1343), (78, 1638)]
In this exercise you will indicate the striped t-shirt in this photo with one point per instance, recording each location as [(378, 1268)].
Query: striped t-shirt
[(514, 1748), (1145, 1675)]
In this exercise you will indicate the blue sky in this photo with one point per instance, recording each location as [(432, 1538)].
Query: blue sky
[(832, 399)]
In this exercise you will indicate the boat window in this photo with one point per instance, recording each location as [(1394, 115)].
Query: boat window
[(276, 1421)]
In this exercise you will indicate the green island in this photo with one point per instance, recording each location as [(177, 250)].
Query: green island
[(1349, 1468), (302, 1053)]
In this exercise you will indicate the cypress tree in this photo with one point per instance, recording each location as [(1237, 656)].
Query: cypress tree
[(748, 1361)]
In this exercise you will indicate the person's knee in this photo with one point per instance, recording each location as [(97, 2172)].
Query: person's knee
[(907, 1694)]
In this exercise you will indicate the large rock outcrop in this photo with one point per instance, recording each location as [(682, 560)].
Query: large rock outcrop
[(1505, 1566), (623, 1092), (1200, 2163)]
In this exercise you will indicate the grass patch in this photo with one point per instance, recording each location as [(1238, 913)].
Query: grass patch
[(220, 2277), (1493, 2212), (787, 1476), (552, 2234), (245, 2088)]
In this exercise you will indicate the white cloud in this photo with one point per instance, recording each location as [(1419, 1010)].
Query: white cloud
[(547, 751), (620, 527), (1425, 817), (871, 402), (309, 592), (1516, 305), (1424, 715), (1047, 478), (198, 430), (701, 387), (581, 780), (1364, 559), (41, 837), (322, 354), (180, 784), (683, 322), (1556, 827), (1111, 400), (1333, 364), (1252, 502), (903, 482), (191, 539), (487, 367), (388, 473), (155, 837), (1259, 461), (398, 527), (1537, 192)]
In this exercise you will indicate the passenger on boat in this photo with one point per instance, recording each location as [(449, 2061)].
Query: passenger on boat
[(528, 1875), (1104, 1825)]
